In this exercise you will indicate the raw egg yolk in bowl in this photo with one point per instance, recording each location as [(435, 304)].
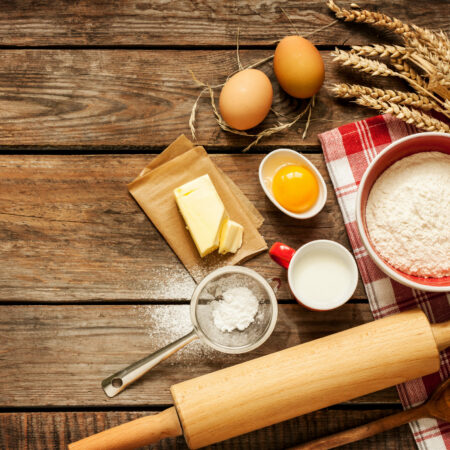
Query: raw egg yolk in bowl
[(295, 188)]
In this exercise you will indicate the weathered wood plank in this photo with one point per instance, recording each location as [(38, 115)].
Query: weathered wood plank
[(54, 430), (57, 355), (69, 230), (203, 22), (56, 99)]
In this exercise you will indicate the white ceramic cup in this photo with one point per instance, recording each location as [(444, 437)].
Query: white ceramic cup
[(288, 258)]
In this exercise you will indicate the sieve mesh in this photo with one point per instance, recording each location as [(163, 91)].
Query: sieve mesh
[(212, 288)]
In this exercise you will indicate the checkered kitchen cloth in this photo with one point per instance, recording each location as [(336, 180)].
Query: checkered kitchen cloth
[(348, 150)]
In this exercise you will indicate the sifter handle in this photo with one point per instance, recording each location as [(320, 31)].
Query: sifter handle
[(120, 380), (134, 434), (441, 333)]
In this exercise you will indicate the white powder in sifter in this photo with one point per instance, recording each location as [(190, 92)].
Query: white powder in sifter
[(237, 310), (408, 214)]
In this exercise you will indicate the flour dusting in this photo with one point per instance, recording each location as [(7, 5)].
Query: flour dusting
[(408, 214)]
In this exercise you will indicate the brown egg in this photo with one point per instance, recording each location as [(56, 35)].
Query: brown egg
[(298, 67), (246, 99)]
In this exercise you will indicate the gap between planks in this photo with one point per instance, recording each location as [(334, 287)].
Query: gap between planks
[(127, 150), (180, 47), (364, 406), (137, 302)]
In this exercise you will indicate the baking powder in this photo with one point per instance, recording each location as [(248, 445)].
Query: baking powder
[(408, 214), (237, 310)]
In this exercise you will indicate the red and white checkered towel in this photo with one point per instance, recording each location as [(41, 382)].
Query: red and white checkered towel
[(348, 150)]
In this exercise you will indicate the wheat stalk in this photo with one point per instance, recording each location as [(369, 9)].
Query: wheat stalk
[(428, 60), (423, 50), (408, 73), (381, 51), (437, 42), (443, 80), (416, 48), (377, 68), (385, 95), (372, 18), (423, 46), (418, 53), (362, 64), (405, 113)]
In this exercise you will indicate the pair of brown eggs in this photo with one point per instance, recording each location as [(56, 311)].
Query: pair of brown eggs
[(246, 98)]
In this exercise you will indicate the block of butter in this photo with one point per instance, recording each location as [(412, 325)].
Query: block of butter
[(203, 212), (231, 237)]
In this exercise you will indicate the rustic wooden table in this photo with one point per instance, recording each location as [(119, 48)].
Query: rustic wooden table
[(89, 92)]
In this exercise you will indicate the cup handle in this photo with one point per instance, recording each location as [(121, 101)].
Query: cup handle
[(281, 254)]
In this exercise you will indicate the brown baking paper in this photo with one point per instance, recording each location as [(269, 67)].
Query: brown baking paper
[(153, 190)]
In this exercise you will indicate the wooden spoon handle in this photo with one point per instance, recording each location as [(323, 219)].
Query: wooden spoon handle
[(134, 434), (364, 431), (441, 333)]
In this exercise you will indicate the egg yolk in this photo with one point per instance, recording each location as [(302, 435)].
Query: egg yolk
[(295, 188)]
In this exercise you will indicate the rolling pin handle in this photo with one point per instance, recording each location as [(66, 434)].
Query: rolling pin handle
[(137, 433), (441, 333)]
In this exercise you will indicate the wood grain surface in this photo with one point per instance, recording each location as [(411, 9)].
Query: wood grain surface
[(192, 23), (58, 355), (70, 231), (93, 99), (54, 430), (88, 91)]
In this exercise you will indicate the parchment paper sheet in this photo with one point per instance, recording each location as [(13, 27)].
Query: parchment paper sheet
[(153, 190)]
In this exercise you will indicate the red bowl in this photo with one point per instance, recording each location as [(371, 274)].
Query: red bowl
[(406, 146)]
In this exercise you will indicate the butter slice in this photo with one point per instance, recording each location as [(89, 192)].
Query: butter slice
[(231, 237), (203, 212)]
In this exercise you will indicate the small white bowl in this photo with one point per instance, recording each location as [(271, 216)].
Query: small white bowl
[(282, 157)]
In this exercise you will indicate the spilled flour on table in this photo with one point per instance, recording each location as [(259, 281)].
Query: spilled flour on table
[(162, 284), (167, 323)]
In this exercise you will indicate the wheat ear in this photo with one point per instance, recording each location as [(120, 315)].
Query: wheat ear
[(385, 95), (436, 42), (404, 69), (405, 113), (428, 60), (417, 53), (362, 64), (378, 68), (372, 18), (435, 84), (381, 51)]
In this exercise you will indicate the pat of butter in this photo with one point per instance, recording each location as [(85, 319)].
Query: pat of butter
[(203, 211), (231, 237)]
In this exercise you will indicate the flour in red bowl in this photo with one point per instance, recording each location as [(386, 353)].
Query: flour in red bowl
[(408, 214)]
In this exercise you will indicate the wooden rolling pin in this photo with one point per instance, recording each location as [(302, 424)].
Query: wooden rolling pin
[(288, 383)]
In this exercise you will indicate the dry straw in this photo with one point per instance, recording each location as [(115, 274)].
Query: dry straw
[(281, 126), (423, 61)]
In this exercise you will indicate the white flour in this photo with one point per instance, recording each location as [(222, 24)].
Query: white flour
[(237, 310), (408, 214)]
